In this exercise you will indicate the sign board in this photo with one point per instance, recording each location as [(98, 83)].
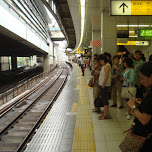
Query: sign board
[(141, 43), (131, 7), (145, 33)]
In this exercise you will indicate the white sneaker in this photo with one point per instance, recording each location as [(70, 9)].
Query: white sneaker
[(128, 117), (125, 114)]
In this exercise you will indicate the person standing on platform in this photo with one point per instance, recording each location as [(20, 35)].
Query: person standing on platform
[(143, 112), (138, 64), (128, 79), (104, 84), (116, 71), (95, 73), (82, 65)]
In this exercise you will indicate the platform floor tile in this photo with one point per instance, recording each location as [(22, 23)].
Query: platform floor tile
[(83, 136)]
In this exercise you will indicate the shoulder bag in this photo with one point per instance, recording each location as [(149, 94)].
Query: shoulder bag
[(132, 142), (91, 82), (125, 94)]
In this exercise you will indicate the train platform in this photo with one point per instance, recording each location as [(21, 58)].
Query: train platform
[(71, 126)]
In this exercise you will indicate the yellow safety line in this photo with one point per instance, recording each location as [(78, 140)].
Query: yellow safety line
[(83, 135)]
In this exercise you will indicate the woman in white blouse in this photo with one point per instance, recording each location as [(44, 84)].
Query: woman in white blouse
[(104, 84)]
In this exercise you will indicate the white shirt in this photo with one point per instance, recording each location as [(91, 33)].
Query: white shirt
[(102, 76), (82, 61)]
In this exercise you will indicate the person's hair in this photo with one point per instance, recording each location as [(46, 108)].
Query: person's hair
[(96, 59), (143, 57), (124, 55), (107, 54), (146, 69), (96, 55), (116, 56), (129, 62), (150, 58), (138, 51), (103, 57)]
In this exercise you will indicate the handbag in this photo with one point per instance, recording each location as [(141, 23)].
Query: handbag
[(124, 92), (91, 82), (98, 102), (125, 89), (132, 142)]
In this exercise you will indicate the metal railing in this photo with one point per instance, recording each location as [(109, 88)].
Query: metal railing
[(20, 88)]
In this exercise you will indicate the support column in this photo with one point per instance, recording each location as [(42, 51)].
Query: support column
[(108, 33), (14, 62), (96, 35), (5, 65), (34, 60), (46, 65)]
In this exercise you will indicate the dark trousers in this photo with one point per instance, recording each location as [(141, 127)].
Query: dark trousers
[(104, 95), (82, 69)]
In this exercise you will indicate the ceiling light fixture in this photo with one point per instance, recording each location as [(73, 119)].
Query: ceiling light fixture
[(82, 3), (133, 25), (133, 36)]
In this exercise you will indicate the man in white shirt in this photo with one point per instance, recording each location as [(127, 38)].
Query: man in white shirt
[(82, 65)]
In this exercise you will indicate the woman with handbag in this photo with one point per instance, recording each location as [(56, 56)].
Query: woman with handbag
[(95, 74), (127, 79), (142, 130)]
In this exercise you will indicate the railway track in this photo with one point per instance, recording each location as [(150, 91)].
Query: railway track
[(24, 118)]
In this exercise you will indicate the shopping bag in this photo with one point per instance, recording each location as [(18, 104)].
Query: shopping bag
[(125, 94)]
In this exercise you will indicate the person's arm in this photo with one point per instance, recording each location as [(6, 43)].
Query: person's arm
[(142, 117), (107, 70), (131, 77)]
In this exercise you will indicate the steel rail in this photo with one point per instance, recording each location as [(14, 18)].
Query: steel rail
[(2, 132), (10, 106), (27, 138)]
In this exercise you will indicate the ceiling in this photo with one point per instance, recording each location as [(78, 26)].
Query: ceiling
[(94, 9), (13, 45)]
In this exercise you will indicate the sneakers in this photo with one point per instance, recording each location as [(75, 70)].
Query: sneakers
[(125, 114), (128, 117)]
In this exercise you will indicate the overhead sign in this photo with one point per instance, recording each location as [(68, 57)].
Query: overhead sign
[(145, 33), (131, 7), (141, 43)]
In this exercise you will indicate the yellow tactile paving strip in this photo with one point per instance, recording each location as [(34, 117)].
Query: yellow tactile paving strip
[(83, 135)]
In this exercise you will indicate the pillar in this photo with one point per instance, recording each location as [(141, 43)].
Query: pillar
[(14, 62), (5, 64), (96, 35), (108, 33), (46, 65), (34, 60)]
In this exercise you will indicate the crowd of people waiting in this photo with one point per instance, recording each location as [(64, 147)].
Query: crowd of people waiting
[(109, 79)]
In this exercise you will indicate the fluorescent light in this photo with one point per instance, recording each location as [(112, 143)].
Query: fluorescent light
[(133, 36), (82, 3), (82, 11), (131, 31), (133, 25)]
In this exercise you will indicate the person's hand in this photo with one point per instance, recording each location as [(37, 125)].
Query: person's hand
[(113, 77), (138, 101), (131, 102), (121, 79), (118, 69)]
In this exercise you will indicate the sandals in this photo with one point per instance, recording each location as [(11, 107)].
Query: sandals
[(97, 111), (102, 117)]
